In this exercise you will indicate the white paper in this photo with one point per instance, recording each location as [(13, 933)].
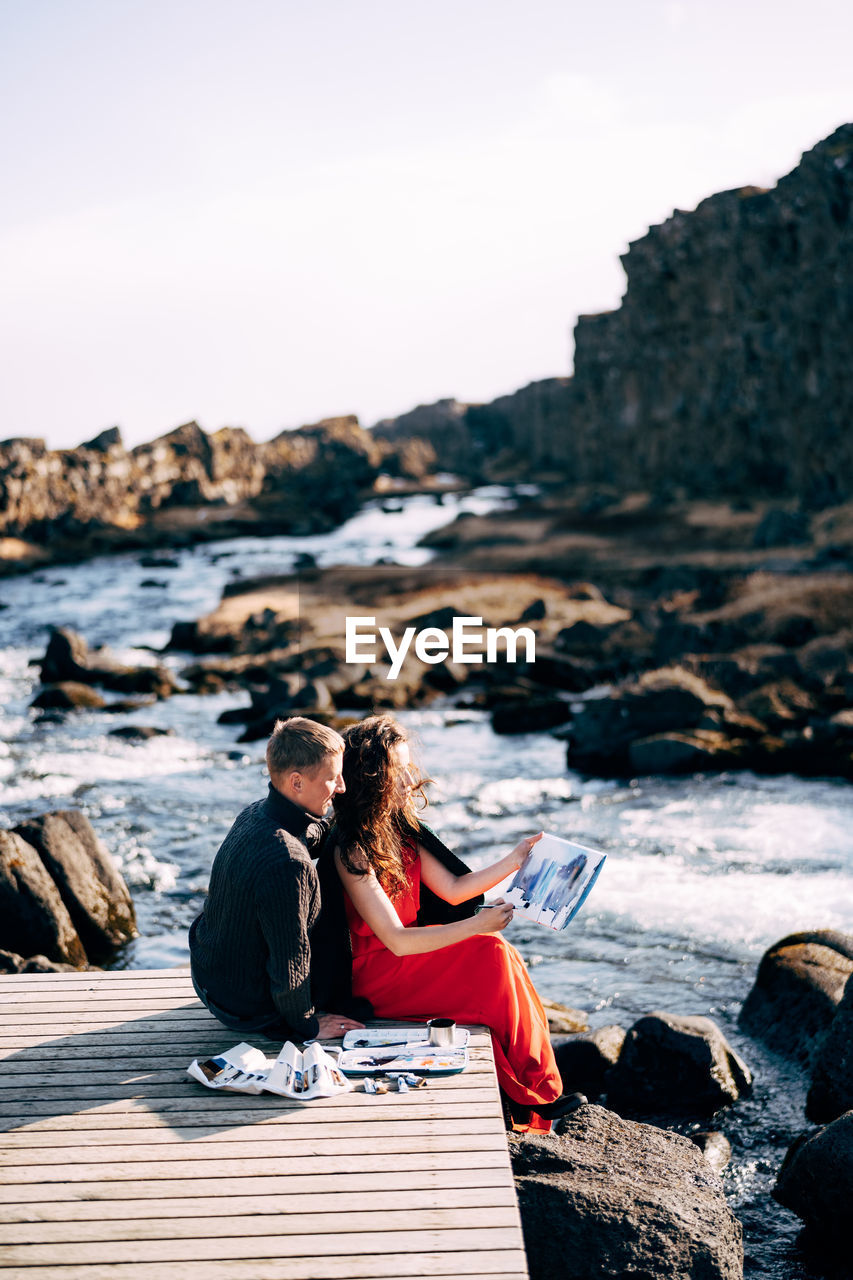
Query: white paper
[(554, 881), (293, 1074)]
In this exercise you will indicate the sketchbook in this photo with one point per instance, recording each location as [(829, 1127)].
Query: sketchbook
[(376, 1050), (302, 1075), (554, 882)]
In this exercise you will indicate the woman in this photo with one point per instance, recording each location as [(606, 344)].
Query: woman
[(462, 969)]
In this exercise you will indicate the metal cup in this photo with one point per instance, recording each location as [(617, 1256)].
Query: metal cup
[(442, 1032)]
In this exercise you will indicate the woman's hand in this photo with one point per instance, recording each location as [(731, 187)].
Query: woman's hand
[(521, 852), (493, 918)]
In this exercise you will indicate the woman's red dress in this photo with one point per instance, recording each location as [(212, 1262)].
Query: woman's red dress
[(480, 979)]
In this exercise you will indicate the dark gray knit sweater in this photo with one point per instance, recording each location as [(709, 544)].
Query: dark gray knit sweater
[(250, 947)]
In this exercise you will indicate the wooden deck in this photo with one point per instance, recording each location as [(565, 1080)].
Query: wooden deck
[(117, 1166)]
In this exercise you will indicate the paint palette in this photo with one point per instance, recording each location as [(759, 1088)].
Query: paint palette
[(374, 1050)]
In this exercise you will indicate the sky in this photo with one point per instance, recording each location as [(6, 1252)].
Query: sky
[(261, 213)]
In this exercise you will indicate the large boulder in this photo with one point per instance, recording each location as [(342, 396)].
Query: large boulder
[(690, 751), (89, 883), (831, 1091), (659, 702), (562, 1019), (68, 658), (585, 1060), (12, 963), (66, 695), (613, 1198), (672, 1065), (797, 991), (529, 714), (33, 917), (816, 1183)]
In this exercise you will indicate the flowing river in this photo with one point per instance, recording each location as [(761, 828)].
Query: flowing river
[(702, 874)]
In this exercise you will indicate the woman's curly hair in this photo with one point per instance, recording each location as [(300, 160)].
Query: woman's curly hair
[(370, 818)]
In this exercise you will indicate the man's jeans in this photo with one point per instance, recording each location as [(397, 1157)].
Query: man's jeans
[(269, 1024)]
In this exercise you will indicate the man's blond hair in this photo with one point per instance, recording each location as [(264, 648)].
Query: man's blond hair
[(300, 743)]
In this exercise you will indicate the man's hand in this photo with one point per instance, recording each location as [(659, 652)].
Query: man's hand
[(333, 1025)]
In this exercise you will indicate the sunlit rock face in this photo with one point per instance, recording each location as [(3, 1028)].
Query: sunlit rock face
[(302, 480), (726, 368), (727, 365)]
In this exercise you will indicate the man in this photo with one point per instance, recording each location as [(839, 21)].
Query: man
[(250, 947)]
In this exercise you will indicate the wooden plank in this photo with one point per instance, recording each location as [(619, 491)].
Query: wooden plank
[(18, 1147), (12, 983), (23, 1110), (33, 1164), (457, 1105), (127, 991), (81, 1130), (494, 1264), (64, 1056), (112, 1059), (412, 1199), (367, 1220), (81, 1083), (424, 1172), (274, 1245), (381, 1156), (55, 1099), (110, 1002)]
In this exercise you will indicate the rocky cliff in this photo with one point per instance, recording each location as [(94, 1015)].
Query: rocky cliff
[(727, 367), (101, 493)]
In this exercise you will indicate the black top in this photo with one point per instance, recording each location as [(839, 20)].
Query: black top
[(250, 947)]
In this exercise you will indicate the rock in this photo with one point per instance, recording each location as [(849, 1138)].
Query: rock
[(562, 1020), (610, 1198), (443, 426), (104, 441), (158, 561), (659, 702), (584, 1060), (33, 918), (529, 714), (781, 528), (826, 660), (688, 752), (284, 696), (583, 637), (68, 658), (124, 705), (715, 1147), (140, 732), (681, 1066), (780, 705), (558, 671), (535, 612), (831, 1091), (447, 676), (67, 695), (91, 887), (797, 991), (11, 963), (320, 472), (816, 1183), (745, 669)]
